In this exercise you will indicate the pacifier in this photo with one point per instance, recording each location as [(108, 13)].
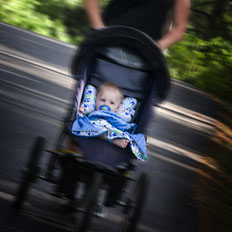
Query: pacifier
[(103, 107)]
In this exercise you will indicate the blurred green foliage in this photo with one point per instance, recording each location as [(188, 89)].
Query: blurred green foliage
[(205, 64), (203, 58), (64, 20)]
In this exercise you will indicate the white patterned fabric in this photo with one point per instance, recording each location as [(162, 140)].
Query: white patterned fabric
[(89, 99), (126, 110)]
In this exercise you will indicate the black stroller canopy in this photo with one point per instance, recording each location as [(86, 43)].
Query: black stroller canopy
[(132, 39)]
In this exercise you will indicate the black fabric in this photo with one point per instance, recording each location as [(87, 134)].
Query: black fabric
[(146, 15), (132, 82), (125, 57), (102, 151)]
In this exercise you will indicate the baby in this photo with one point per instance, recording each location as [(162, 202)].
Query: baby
[(106, 113), (109, 98)]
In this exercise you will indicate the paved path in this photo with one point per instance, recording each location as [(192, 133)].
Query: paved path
[(35, 88)]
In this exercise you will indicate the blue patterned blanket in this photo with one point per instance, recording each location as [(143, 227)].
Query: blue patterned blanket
[(113, 126)]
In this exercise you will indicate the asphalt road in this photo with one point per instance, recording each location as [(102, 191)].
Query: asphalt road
[(35, 90)]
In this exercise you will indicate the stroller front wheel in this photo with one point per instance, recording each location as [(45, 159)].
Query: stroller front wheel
[(135, 204), (83, 219), (30, 172)]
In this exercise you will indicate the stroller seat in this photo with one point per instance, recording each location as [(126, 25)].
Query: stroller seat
[(134, 82)]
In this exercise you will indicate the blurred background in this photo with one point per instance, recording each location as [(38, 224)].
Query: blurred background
[(203, 58)]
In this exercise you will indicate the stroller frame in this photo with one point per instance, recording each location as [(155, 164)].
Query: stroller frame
[(101, 174)]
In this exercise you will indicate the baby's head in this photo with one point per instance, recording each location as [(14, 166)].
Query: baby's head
[(109, 95)]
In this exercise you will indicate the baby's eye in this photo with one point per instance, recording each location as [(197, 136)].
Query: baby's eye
[(112, 103), (103, 100)]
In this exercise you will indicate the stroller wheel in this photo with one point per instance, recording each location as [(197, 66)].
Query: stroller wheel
[(83, 217), (135, 204), (30, 172)]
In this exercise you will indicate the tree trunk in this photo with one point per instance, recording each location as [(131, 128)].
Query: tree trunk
[(216, 19)]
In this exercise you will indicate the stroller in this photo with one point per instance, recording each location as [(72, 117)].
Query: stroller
[(141, 72)]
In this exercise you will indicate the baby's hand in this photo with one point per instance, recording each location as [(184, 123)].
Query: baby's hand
[(82, 110), (121, 142)]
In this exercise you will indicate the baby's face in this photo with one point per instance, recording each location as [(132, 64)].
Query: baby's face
[(109, 98)]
